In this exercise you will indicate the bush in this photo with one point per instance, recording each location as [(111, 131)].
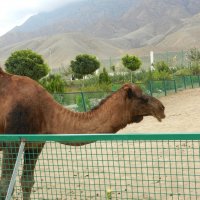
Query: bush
[(53, 83), (143, 76), (195, 69), (183, 72), (104, 77), (162, 71), (161, 75)]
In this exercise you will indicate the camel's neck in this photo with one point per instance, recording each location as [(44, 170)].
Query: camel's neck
[(105, 119)]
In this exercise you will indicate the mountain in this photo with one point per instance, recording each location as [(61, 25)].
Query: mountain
[(107, 28)]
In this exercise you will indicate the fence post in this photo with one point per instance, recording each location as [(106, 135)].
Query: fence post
[(83, 101), (184, 82), (191, 81), (175, 88), (15, 170), (199, 80), (150, 88), (165, 89)]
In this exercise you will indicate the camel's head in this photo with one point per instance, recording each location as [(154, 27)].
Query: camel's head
[(140, 105)]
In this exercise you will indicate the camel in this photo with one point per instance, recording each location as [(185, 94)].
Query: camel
[(27, 108)]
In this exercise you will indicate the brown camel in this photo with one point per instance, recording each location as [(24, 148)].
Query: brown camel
[(27, 108)]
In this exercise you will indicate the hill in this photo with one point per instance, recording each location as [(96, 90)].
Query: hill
[(107, 28)]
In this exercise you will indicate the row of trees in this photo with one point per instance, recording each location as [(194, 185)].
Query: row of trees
[(31, 64)]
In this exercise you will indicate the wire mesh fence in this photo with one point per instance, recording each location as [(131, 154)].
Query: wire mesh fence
[(143, 166)]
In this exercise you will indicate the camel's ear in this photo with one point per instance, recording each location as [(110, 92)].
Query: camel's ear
[(133, 91), (129, 91)]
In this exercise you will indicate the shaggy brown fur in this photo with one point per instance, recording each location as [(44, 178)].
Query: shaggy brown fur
[(27, 108)]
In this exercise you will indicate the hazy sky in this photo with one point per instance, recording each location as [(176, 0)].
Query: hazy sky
[(15, 12)]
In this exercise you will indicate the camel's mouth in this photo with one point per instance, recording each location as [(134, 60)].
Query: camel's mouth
[(159, 117)]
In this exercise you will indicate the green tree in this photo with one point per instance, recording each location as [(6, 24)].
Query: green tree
[(53, 83), (161, 66), (84, 64), (104, 77), (131, 62), (162, 75), (113, 68), (183, 71), (162, 71), (27, 63), (193, 56)]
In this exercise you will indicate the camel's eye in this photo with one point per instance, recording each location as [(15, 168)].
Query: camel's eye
[(144, 99)]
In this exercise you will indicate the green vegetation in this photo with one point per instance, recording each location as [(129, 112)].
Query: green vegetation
[(166, 70), (80, 103), (193, 56), (83, 65), (54, 83), (162, 71), (131, 62), (27, 63), (104, 77)]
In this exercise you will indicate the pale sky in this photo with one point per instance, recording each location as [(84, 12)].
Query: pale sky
[(15, 12)]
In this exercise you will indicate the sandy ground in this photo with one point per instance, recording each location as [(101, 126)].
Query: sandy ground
[(182, 115)]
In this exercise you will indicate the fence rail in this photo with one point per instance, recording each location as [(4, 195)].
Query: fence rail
[(98, 137), (121, 166)]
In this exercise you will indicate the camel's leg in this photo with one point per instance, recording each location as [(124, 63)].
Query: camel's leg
[(10, 152), (27, 179)]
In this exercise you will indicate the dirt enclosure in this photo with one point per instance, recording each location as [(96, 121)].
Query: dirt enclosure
[(131, 170), (182, 115)]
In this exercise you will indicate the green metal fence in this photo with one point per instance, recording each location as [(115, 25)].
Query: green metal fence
[(84, 101), (122, 166), (80, 101)]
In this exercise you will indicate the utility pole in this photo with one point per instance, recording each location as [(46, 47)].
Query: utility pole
[(151, 61)]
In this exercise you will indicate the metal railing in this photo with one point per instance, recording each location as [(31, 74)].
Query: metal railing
[(122, 166)]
